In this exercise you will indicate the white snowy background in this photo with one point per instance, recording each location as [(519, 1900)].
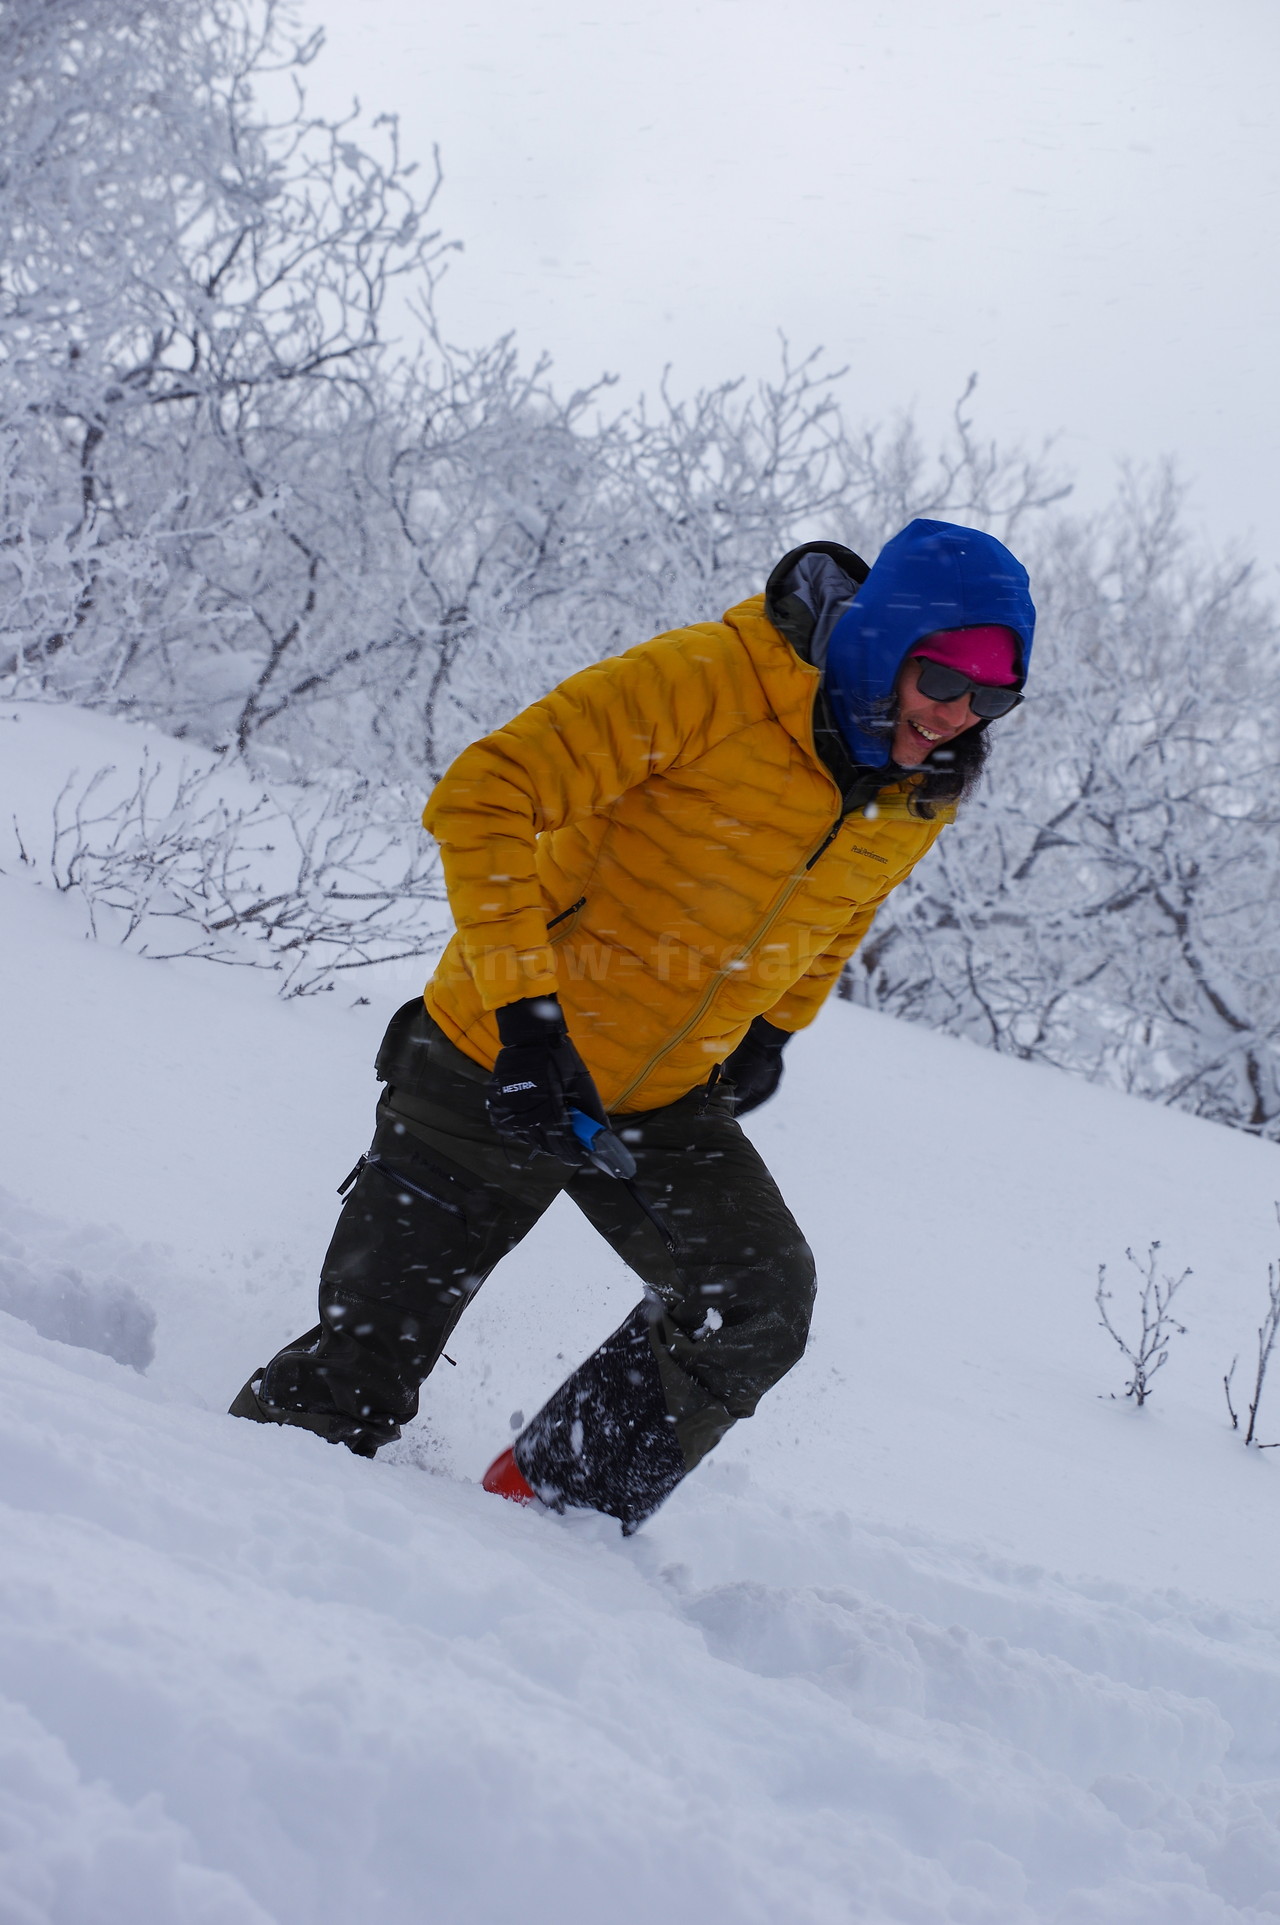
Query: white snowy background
[(1076, 198), (949, 1631)]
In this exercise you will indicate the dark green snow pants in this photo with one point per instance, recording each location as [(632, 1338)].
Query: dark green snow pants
[(438, 1201)]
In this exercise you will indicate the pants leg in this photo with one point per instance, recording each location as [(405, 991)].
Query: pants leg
[(729, 1293), (435, 1204)]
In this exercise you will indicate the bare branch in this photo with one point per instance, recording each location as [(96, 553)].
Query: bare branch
[(1150, 1353), (1267, 1333)]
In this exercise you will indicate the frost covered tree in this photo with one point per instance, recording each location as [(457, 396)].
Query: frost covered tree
[(189, 350), (230, 506)]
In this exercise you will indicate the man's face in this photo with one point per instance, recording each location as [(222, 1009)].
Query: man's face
[(923, 724)]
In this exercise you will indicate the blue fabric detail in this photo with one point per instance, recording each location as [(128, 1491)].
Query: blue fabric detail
[(933, 575)]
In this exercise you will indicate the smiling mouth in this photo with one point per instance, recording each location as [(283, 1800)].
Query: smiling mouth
[(930, 735)]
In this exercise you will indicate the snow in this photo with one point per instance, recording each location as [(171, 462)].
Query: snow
[(947, 1632)]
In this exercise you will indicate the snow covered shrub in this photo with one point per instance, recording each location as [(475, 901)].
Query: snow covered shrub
[(1149, 1351), (197, 861)]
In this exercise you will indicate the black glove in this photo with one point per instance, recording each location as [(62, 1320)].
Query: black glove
[(538, 1078), (755, 1067)]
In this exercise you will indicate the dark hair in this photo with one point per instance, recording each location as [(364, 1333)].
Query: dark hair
[(951, 773)]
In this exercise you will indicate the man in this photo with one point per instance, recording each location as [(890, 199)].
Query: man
[(657, 873)]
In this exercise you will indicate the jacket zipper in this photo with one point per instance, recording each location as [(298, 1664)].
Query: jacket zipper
[(572, 910), (757, 935), (825, 844)]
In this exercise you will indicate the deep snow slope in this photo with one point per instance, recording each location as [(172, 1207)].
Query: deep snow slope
[(947, 1632)]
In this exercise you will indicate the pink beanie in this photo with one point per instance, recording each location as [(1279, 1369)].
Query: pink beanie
[(984, 654)]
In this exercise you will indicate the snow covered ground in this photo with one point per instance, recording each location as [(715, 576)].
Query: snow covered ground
[(948, 1632)]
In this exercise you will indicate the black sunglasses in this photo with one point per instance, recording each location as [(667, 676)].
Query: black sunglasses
[(942, 684)]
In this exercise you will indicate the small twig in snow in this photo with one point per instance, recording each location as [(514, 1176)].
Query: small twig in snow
[(1158, 1325), (1267, 1333)]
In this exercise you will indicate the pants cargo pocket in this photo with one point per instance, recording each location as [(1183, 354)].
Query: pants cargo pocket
[(398, 1271)]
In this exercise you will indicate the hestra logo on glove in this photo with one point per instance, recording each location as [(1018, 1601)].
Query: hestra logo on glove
[(540, 1082)]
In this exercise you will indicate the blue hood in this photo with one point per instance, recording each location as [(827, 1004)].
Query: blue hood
[(933, 575)]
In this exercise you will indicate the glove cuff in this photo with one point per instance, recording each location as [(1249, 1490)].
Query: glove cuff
[(532, 1020)]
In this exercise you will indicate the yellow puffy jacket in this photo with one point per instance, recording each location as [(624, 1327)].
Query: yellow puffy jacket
[(658, 843)]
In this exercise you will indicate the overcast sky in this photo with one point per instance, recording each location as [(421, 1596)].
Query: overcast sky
[(1076, 198)]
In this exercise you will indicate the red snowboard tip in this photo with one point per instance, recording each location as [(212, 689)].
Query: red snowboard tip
[(503, 1478)]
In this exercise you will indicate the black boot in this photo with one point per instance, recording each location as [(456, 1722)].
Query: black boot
[(294, 1389), (606, 1440)]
